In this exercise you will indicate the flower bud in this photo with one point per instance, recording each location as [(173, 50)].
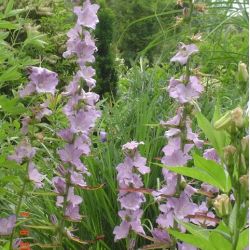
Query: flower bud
[(245, 143), (200, 7), (222, 205), (234, 117), (244, 182), (185, 12), (103, 136), (242, 72), (237, 117), (53, 219), (229, 152)]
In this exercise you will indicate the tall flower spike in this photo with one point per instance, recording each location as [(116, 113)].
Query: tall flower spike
[(181, 139), (129, 179), (81, 113)]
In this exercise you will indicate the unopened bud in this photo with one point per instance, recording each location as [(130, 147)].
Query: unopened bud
[(245, 143), (39, 136), (242, 72), (200, 7), (222, 205), (53, 219), (244, 181), (185, 12), (229, 152), (234, 117), (237, 117)]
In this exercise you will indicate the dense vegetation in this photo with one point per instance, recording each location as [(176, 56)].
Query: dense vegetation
[(48, 85)]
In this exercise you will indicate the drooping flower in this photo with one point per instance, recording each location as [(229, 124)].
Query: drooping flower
[(184, 93), (41, 81), (211, 154), (35, 176), (7, 225), (160, 235), (87, 15), (24, 151), (185, 246), (103, 136), (185, 51), (131, 220), (71, 154)]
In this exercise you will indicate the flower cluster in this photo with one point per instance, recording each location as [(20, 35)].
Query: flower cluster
[(42, 81), (81, 114), (181, 139), (130, 184)]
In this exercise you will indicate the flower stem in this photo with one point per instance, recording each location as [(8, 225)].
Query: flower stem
[(62, 222), (19, 204)]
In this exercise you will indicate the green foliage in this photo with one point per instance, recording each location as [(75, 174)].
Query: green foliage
[(106, 74), (206, 171)]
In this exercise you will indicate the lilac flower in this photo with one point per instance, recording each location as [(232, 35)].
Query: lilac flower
[(185, 51), (43, 111), (208, 188), (84, 120), (70, 154), (7, 225), (130, 221), (87, 74), (72, 199), (77, 179), (131, 200), (178, 208), (41, 81), (72, 88), (35, 176), (185, 246), (16, 244), (25, 125), (53, 219), (59, 185), (87, 15), (185, 93), (82, 143), (175, 121), (131, 146), (160, 235), (66, 134), (22, 152), (90, 98), (211, 154), (170, 188), (72, 212), (174, 155), (103, 136), (202, 212)]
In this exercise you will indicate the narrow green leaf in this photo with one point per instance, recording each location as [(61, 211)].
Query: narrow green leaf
[(243, 240), (192, 240), (196, 173), (195, 230), (10, 74), (8, 25), (218, 139), (9, 7), (219, 242), (216, 171)]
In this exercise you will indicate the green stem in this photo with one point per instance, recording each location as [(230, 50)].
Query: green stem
[(19, 204), (62, 222)]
